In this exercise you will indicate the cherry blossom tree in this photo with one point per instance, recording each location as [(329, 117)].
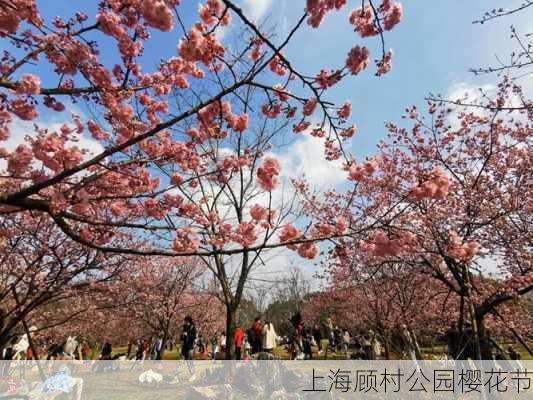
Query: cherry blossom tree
[(460, 182), (179, 142), (159, 293), (151, 150), (40, 268), (372, 295)]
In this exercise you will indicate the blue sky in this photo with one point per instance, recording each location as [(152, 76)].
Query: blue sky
[(434, 46)]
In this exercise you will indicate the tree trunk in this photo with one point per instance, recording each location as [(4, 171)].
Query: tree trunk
[(231, 325), (473, 318), (164, 340), (387, 344), (416, 347)]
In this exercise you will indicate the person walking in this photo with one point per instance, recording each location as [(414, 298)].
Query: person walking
[(106, 352), (307, 343), (223, 343), (317, 336), (296, 337), (215, 345), (238, 340), (188, 340), (410, 345), (330, 331), (257, 332), (366, 347), (158, 347), (270, 338), (376, 347), (346, 342)]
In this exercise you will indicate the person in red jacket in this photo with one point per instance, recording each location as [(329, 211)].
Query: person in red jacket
[(257, 332), (238, 340)]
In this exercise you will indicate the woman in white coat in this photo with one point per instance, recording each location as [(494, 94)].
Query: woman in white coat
[(270, 337)]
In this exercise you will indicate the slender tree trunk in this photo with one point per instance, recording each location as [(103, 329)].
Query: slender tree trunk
[(387, 344), (231, 325), (461, 325), (473, 317), (164, 341), (416, 349)]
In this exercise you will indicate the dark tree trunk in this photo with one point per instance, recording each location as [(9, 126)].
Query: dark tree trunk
[(231, 325), (164, 341), (387, 344)]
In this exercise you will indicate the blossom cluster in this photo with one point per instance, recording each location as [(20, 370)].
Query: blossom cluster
[(461, 250), (358, 172), (436, 187), (380, 244), (267, 173)]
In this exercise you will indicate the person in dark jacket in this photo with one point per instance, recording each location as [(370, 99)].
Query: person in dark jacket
[(257, 336), (188, 340), (106, 352), (307, 342), (452, 341)]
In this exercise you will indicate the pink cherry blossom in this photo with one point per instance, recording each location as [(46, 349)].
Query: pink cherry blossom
[(186, 240), (317, 10), (385, 64), (326, 79), (310, 106), (23, 109), (20, 160), (158, 14), (289, 232), (259, 213), (308, 250), (267, 173), (357, 59), (349, 132), (437, 187), (214, 11), (393, 16), (271, 110), (245, 234), (29, 84), (281, 92), (241, 123), (461, 250), (276, 66), (200, 47), (363, 20), (256, 49), (345, 111), (325, 229)]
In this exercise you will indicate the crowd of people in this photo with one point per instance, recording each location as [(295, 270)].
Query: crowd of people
[(261, 339)]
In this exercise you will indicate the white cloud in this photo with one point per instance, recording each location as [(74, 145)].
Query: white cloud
[(481, 94), (305, 157), (256, 9), (470, 93)]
